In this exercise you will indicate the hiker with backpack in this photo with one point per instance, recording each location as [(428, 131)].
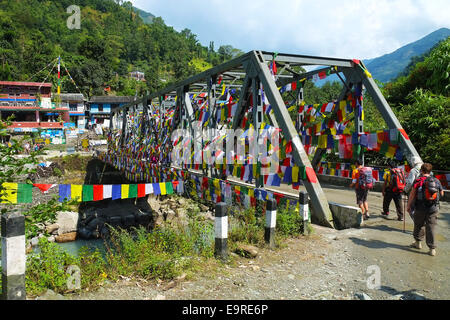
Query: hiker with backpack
[(362, 180), (425, 196), (393, 188)]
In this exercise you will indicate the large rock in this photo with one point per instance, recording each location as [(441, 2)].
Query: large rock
[(51, 295), (154, 203), (67, 221), (247, 250), (52, 227), (66, 237), (128, 221), (345, 217)]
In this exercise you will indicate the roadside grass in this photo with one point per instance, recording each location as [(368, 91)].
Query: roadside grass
[(164, 253)]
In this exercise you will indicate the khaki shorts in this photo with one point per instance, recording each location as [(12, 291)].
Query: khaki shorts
[(361, 195)]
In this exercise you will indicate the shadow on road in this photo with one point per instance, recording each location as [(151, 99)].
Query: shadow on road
[(387, 228), (378, 244), (405, 295)]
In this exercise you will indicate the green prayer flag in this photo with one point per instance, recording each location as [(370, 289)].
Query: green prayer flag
[(169, 187), (302, 172), (133, 191), (88, 192), (356, 150), (24, 193), (384, 147)]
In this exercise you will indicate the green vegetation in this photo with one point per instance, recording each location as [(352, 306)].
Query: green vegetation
[(113, 40), (163, 253), (48, 269), (421, 101)]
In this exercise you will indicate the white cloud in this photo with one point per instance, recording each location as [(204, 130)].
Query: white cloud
[(348, 28)]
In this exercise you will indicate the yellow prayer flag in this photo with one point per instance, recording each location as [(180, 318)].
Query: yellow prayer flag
[(251, 193), (223, 89), (162, 186), (295, 170), (391, 152), (125, 191), (322, 142), (342, 104), (9, 192), (332, 171), (76, 192)]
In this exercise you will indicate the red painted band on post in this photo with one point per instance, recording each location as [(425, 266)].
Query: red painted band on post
[(311, 175)]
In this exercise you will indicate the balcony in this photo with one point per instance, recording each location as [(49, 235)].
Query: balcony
[(32, 124)]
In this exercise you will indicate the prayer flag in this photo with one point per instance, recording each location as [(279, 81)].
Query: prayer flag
[(88, 192)]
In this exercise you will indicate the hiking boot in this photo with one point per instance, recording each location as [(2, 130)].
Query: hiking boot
[(366, 216), (432, 252), (400, 218), (416, 244), (385, 213)]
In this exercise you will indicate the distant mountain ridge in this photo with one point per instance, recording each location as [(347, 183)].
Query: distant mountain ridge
[(387, 67), (146, 16)]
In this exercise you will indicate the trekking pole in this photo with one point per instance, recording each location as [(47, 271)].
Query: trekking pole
[(404, 211)]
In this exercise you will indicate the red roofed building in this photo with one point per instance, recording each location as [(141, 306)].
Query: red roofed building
[(30, 103)]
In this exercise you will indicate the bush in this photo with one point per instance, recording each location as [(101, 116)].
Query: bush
[(247, 226), (289, 222), (163, 253), (48, 268)]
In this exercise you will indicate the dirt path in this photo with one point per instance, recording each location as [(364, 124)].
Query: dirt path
[(330, 264)]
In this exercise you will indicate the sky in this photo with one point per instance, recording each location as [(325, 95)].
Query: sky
[(361, 29)]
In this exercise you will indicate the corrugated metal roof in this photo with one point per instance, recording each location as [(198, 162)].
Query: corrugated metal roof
[(111, 99), (25, 84)]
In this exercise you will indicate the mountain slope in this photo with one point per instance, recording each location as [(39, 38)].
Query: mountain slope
[(388, 66)]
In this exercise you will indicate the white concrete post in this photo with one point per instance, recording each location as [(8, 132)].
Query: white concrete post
[(13, 256)]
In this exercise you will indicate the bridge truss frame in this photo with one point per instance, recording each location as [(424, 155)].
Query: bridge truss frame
[(248, 73)]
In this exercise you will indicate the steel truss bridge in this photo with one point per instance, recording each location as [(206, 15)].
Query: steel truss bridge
[(248, 77)]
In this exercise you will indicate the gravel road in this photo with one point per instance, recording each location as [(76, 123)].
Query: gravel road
[(327, 265)]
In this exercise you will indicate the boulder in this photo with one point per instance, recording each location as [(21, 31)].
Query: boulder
[(247, 250), (51, 239), (52, 228), (96, 224), (143, 219), (67, 221), (154, 203), (51, 295), (115, 221), (34, 241), (66, 237), (85, 233), (128, 221)]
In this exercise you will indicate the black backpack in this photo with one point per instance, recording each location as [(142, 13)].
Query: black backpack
[(428, 191)]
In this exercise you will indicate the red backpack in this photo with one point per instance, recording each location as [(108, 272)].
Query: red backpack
[(365, 180), (428, 191), (398, 180)]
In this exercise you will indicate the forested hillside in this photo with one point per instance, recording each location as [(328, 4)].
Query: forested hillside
[(421, 100), (113, 40)]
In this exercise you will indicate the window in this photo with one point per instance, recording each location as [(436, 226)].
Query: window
[(100, 107)]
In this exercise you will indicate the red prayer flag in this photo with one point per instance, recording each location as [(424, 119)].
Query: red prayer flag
[(141, 190), (98, 192), (289, 147), (322, 75), (294, 86)]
